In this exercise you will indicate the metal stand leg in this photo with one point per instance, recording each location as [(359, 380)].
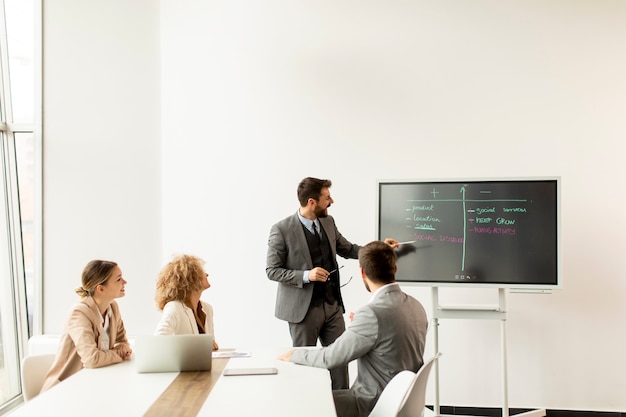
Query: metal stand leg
[(477, 312)]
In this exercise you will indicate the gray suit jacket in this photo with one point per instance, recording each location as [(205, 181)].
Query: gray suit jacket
[(386, 336), (288, 257)]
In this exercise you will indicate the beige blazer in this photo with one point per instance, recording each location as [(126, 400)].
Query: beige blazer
[(80, 341)]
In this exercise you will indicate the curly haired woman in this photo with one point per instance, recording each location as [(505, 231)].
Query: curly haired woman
[(178, 290)]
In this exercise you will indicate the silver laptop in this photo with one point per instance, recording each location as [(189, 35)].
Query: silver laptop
[(173, 353)]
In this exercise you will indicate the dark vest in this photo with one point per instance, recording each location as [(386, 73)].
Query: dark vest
[(322, 256)]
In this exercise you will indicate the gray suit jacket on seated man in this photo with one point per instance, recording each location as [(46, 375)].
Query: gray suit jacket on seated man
[(386, 336)]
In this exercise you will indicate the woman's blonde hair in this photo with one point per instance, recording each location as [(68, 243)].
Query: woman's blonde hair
[(95, 273), (178, 279)]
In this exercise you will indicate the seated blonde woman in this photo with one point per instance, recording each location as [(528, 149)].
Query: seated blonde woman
[(178, 290), (94, 335)]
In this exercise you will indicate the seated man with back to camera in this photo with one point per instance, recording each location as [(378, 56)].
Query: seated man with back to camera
[(386, 336)]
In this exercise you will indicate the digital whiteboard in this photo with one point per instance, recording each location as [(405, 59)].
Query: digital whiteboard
[(502, 233)]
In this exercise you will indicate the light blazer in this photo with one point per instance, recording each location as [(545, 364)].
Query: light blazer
[(386, 336), (79, 344), (288, 257), (177, 318)]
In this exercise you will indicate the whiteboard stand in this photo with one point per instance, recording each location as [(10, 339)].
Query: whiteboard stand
[(488, 312)]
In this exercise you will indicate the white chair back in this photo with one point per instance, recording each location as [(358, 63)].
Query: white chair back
[(415, 401), (33, 372), (393, 395)]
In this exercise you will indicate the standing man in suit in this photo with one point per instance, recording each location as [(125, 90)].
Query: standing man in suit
[(301, 257), (386, 336)]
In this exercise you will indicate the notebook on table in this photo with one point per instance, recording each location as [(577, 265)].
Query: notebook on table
[(173, 353)]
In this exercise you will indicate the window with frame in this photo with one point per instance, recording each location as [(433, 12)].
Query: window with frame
[(20, 182)]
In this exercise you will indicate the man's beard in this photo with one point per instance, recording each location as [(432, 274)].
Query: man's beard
[(321, 213)]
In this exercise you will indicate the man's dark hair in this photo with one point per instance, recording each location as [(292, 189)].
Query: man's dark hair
[(378, 260), (311, 188)]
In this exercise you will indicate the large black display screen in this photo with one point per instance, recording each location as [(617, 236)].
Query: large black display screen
[(496, 232)]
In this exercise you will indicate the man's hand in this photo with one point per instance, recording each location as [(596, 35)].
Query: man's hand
[(318, 274), (392, 242), (286, 356)]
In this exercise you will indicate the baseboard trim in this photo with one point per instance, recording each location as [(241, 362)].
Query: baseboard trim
[(497, 412)]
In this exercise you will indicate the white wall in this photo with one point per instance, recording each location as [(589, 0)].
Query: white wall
[(256, 95), (101, 139)]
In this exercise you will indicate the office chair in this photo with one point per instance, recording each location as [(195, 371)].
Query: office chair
[(393, 395), (33, 372), (415, 401), (405, 394)]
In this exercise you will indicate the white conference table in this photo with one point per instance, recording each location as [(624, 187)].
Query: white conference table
[(118, 390)]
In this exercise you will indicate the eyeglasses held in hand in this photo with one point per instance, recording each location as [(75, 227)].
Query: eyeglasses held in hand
[(341, 286)]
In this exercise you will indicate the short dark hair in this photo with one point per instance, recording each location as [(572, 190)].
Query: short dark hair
[(311, 188), (378, 260)]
